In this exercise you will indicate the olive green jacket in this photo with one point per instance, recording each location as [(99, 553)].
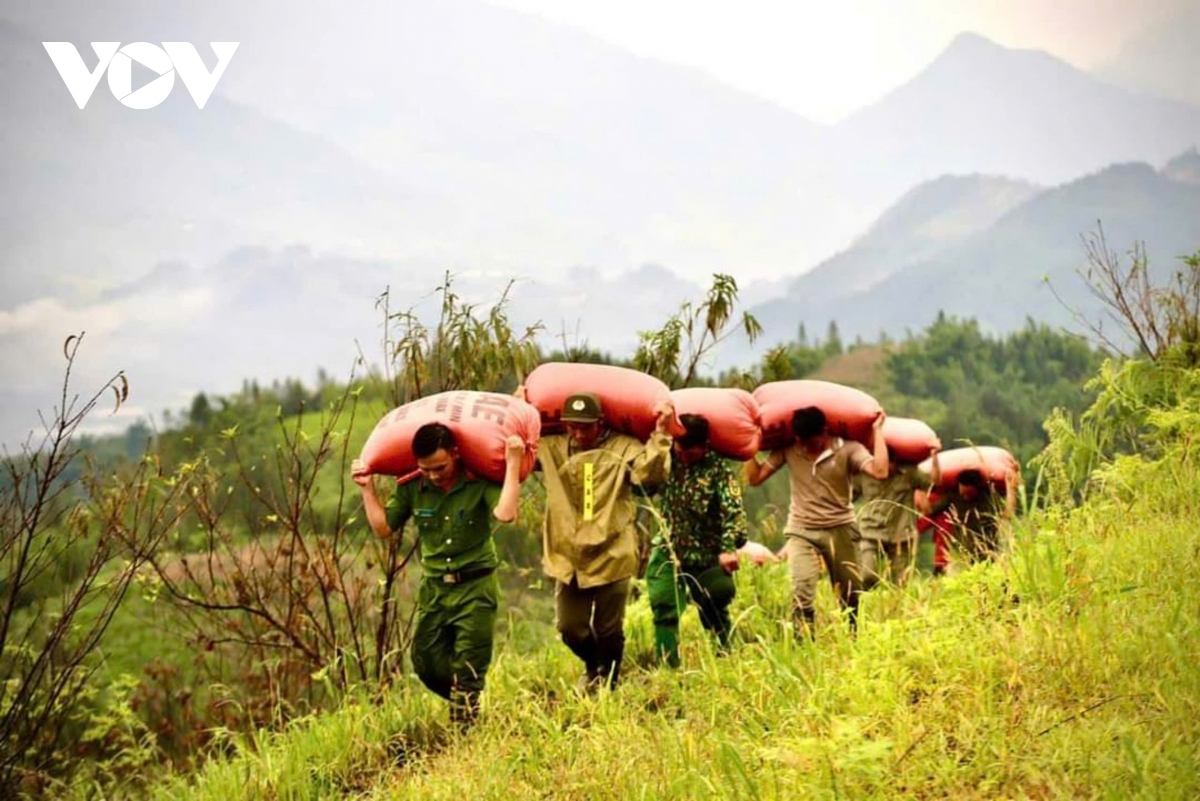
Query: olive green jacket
[(887, 513), (589, 533)]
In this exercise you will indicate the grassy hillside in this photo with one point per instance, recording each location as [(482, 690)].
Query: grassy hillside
[(1067, 670), (285, 586), (276, 625)]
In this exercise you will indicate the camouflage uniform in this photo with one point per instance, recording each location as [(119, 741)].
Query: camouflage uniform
[(704, 517)]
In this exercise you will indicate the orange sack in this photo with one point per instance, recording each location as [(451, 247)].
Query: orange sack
[(734, 419), (481, 421), (850, 413), (993, 462), (909, 440), (628, 398)]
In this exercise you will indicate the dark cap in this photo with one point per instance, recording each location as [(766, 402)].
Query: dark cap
[(582, 407)]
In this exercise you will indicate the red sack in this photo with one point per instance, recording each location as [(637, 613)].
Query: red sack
[(942, 536), (850, 413), (628, 398), (993, 462), (909, 440), (481, 422), (939, 522), (734, 420), (942, 531), (925, 523)]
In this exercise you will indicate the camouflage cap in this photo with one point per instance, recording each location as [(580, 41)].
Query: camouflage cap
[(582, 407)]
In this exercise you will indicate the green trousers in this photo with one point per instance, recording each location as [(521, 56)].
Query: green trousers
[(926, 551), (899, 555), (452, 645), (711, 588)]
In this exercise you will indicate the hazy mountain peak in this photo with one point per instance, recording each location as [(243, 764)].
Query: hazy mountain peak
[(982, 107), (971, 43), (923, 223), (971, 56), (975, 201), (897, 277)]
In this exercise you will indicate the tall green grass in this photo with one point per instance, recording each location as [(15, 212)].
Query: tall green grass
[(1069, 670)]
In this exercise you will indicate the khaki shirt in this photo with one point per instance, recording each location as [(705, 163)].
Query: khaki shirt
[(589, 533), (887, 512), (821, 487)]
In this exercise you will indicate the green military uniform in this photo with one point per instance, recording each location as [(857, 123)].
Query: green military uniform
[(459, 594), (976, 521), (704, 517), (590, 540), (887, 521)]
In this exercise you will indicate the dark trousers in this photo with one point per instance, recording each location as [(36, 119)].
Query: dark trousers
[(592, 624)]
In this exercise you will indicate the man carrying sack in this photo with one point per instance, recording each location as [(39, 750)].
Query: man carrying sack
[(821, 527), (705, 524), (590, 541), (459, 594)]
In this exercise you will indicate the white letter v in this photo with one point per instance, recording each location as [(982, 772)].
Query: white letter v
[(74, 72), (196, 77)]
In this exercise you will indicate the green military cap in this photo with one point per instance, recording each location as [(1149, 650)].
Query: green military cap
[(582, 407)]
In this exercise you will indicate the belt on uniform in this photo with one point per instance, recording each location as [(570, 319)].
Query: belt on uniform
[(466, 575)]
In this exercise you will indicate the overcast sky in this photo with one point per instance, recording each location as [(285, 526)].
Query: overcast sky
[(826, 58), (823, 59)]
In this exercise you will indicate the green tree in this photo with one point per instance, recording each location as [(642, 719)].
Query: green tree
[(833, 340), (674, 353), (463, 349), (200, 413)]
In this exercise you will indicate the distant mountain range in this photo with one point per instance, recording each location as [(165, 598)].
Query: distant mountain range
[(995, 265), (451, 133), (974, 246), (250, 238)]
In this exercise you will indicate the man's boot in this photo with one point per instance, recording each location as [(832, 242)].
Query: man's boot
[(806, 624), (464, 708), (585, 649), (609, 652)]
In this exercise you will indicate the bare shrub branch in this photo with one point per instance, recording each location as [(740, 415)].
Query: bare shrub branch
[(57, 510)]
